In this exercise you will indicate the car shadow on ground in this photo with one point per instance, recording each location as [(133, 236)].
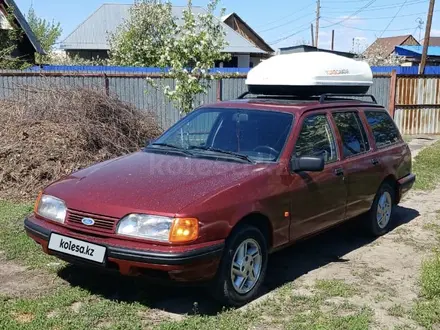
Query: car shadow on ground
[(284, 266)]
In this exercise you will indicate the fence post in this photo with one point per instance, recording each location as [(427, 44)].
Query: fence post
[(393, 87), (219, 89), (106, 84)]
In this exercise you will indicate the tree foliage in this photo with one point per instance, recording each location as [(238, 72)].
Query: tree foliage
[(187, 47), (378, 56), (46, 32), (9, 38)]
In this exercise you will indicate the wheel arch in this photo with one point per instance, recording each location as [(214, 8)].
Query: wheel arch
[(392, 181), (259, 221)]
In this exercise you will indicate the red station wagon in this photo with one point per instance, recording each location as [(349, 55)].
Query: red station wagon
[(227, 185)]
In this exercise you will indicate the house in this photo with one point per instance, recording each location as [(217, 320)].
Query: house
[(413, 55), (236, 23), (90, 39), (308, 48), (385, 47), (28, 44), (433, 41)]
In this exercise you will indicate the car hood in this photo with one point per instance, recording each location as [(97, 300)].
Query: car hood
[(148, 182)]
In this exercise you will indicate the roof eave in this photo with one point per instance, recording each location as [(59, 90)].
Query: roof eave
[(24, 25), (252, 30)]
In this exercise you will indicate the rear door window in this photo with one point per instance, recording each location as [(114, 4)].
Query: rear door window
[(316, 139), (352, 132), (384, 130)]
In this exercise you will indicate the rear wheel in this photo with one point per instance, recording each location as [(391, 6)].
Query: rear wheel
[(243, 267), (380, 215)]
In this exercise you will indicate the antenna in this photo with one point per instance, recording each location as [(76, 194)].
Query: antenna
[(420, 24)]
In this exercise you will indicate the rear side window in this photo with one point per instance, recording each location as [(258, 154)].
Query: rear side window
[(354, 138), (384, 130), (316, 139)]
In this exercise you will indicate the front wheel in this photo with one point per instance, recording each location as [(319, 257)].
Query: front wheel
[(380, 215), (243, 267)]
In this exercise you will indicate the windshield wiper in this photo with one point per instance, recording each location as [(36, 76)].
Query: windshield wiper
[(231, 153), (172, 147)]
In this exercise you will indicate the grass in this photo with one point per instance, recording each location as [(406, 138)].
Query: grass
[(317, 321), (13, 240), (335, 288), (81, 307), (68, 308), (407, 138), (427, 167), (427, 309), (397, 310)]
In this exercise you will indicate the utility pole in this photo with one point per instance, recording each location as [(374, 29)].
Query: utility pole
[(427, 35), (318, 12), (333, 40), (311, 32)]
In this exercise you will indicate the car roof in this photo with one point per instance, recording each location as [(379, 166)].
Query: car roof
[(295, 106)]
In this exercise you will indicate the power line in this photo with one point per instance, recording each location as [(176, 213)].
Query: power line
[(382, 17), (341, 1), (291, 35), (282, 25), (284, 17), (371, 30), (393, 18), (351, 15), (375, 8)]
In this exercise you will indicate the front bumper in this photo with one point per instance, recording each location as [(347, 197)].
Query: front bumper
[(191, 265)]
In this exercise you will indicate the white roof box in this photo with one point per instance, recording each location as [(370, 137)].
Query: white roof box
[(311, 73)]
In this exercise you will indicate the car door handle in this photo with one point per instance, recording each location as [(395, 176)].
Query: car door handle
[(375, 161), (339, 171)]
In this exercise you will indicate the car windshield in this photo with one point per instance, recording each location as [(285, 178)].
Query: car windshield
[(255, 135)]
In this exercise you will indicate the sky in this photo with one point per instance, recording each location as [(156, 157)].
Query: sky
[(282, 23)]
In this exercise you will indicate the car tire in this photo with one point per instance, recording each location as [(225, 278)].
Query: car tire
[(380, 216), (241, 274)]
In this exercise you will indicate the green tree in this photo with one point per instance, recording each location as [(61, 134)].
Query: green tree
[(46, 32), (9, 38), (140, 40), (188, 47)]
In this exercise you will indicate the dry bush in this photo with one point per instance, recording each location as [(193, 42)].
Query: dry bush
[(48, 133)]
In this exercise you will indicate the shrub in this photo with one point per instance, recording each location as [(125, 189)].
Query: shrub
[(48, 133)]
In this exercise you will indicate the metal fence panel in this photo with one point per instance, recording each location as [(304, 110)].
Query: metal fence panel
[(232, 88), (418, 91), (418, 105), (418, 120), (417, 97), (381, 90)]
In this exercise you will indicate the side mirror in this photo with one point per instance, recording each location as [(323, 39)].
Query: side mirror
[(312, 164)]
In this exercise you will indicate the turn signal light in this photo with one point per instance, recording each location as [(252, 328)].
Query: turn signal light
[(37, 201), (184, 230)]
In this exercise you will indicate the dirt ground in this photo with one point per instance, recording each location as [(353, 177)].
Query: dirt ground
[(384, 271)]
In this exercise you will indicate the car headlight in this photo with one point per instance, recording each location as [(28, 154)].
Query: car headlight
[(158, 228), (51, 208)]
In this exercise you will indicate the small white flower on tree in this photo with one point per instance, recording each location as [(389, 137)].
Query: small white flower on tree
[(378, 56), (139, 41), (188, 47)]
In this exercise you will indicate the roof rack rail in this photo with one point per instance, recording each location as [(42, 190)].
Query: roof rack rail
[(243, 95), (327, 96)]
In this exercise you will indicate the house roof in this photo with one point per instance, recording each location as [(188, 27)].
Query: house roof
[(23, 24), (433, 41), (237, 17), (416, 51), (92, 34), (386, 45)]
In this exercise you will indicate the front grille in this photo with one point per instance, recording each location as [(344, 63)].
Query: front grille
[(102, 222)]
